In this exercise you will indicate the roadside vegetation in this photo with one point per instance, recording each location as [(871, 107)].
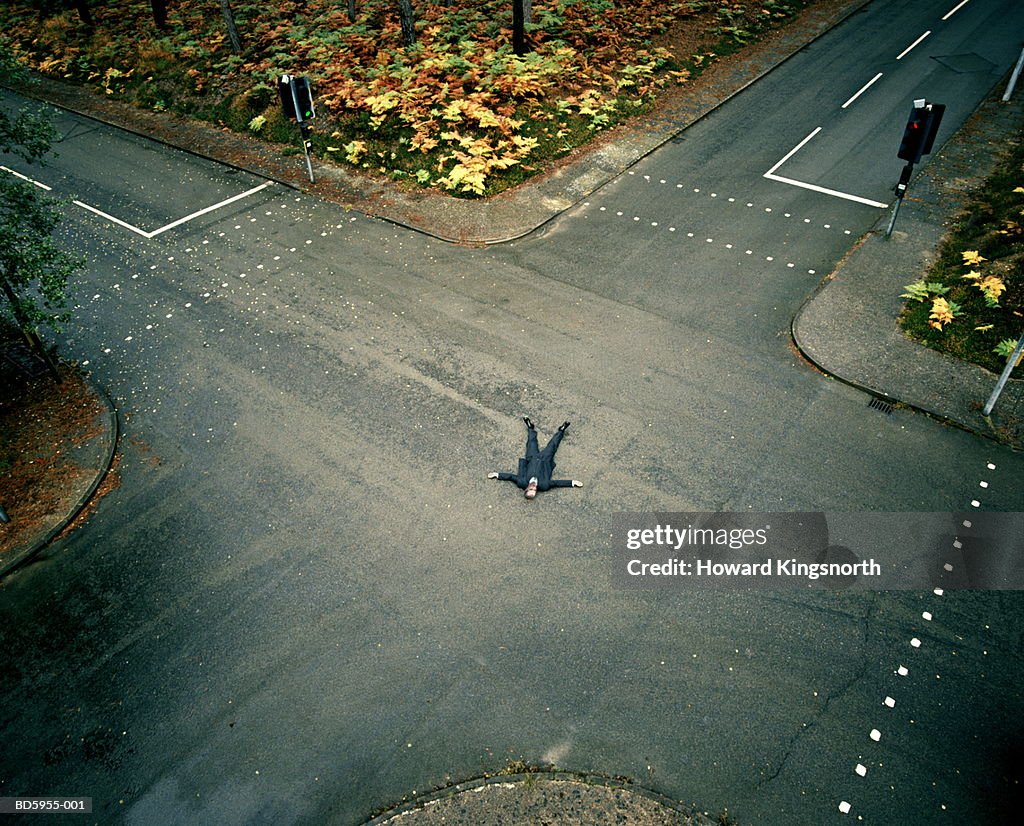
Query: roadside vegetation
[(970, 304), (34, 268), (447, 103)]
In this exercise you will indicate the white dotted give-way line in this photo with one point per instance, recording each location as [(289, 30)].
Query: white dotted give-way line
[(915, 643), (219, 285)]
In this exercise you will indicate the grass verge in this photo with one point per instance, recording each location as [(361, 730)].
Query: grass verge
[(970, 303)]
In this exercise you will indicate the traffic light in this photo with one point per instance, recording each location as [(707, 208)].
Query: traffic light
[(919, 134), (296, 98)]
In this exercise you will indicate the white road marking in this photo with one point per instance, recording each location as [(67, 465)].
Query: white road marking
[(112, 219), (862, 90), (26, 178), (771, 176), (955, 9), (792, 152), (909, 48), (180, 221), (824, 191)]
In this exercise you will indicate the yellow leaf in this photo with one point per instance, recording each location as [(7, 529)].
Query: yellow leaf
[(993, 287), (941, 313), (972, 257)]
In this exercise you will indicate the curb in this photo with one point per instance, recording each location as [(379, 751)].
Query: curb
[(24, 554), (468, 795), (964, 420)]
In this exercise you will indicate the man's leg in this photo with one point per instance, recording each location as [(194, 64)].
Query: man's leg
[(532, 450), (552, 445)]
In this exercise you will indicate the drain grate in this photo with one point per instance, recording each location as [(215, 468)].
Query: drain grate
[(878, 404)]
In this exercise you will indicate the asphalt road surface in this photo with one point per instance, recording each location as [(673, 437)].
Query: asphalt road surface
[(306, 600)]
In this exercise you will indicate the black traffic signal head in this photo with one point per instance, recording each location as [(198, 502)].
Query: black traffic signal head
[(920, 131), (296, 97)]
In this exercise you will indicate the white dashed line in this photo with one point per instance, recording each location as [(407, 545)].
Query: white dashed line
[(912, 46), (955, 9), (862, 90), (915, 642)]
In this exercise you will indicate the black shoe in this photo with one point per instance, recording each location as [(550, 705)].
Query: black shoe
[(563, 427), (529, 424)]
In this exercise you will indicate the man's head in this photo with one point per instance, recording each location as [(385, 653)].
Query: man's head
[(531, 487)]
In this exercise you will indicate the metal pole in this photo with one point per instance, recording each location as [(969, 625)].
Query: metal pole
[(900, 190), (306, 144), (1004, 377), (1013, 77), (892, 218)]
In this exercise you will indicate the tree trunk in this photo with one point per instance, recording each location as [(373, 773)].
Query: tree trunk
[(519, 27), (84, 13), (352, 11), (229, 21), (408, 19), (31, 339), (159, 13)]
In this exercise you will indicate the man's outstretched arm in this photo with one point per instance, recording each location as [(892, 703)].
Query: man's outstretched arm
[(503, 476), (566, 483)]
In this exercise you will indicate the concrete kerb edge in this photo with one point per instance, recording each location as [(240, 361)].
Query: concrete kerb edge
[(878, 393), (550, 775), (657, 140), (21, 557)]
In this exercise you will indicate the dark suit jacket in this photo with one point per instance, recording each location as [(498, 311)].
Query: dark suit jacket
[(539, 467)]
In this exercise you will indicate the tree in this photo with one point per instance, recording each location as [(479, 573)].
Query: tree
[(34, 270), (519, 26), (159, 13), (408, 20), (48, 7), (229, 21), (84, 13)]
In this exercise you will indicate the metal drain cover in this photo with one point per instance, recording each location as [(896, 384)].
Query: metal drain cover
[(881, 406)]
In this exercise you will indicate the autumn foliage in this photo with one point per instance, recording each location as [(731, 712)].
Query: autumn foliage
[(971, 302), (458, 110)]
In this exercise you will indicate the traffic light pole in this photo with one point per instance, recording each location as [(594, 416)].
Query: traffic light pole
[(307, 145), (901, 190), (298, 105), (304, 132), (1010, 364)]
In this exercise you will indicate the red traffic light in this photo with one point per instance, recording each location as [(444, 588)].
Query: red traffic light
[(919, 133)]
